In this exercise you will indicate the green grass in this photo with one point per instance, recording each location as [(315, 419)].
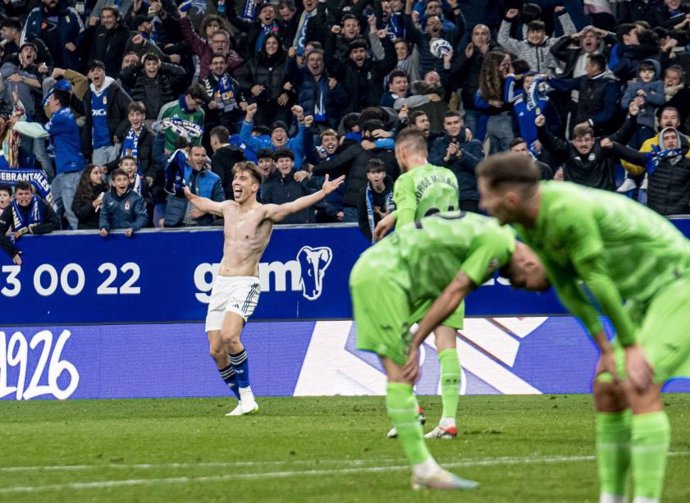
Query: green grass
[(521, 449)]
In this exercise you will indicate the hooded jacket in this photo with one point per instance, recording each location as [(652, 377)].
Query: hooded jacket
[(668, 172), (539, 57)]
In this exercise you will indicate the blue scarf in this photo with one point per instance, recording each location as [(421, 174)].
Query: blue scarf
[(248, 11), (37, 178), (390, 206), (396, 26), (35, 215), (174, 173), (130, 146), (265, 30), (301, 36), (226, 92), (320, 101), (657, 155)]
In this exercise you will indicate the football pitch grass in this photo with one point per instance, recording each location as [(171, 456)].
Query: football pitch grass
[(521, 449)]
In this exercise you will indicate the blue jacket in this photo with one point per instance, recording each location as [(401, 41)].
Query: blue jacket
[(205, 184), (64, 133), (256, 143), (123, 212), (70, 29)]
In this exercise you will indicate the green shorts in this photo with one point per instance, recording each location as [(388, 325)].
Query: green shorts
[(664, 333), (455, 320), (382, 312)]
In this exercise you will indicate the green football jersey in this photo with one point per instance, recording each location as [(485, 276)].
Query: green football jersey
[(423, 191), (621, 250), (425, 256)]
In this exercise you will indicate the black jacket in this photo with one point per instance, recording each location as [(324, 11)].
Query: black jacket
[(352, 162), (222, 163)]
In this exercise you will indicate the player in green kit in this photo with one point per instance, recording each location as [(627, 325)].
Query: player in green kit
[(600, 247), (422, 190), (413, 266)]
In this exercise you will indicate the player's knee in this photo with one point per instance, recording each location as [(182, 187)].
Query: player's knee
[(231, 339), (609, 396), (217, 353)]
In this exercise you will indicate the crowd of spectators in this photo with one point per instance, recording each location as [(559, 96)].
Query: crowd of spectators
[(122, 104)]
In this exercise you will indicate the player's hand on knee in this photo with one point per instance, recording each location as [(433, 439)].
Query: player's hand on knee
[(607, 364), (640, 371), (411, 368)]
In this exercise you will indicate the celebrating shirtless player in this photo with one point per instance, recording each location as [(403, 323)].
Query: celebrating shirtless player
[(248, 226)]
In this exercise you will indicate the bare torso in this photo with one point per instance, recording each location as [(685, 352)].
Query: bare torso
[(247, 232)]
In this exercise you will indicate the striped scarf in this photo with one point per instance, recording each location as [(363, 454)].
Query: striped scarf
[(22, 220)]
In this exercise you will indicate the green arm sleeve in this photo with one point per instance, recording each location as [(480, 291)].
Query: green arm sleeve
[(593, 273), (573, 299), (578, 232), (405, 201)]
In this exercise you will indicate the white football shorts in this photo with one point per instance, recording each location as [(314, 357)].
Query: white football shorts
[(235, 294)]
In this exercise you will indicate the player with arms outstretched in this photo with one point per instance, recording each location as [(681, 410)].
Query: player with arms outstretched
[(247, 229), (603, 248), (411, 267), (422, 190)]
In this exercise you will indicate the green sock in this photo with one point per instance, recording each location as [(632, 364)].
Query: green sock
[(450, 381), (651, 435), (402, 409), (613, 451)]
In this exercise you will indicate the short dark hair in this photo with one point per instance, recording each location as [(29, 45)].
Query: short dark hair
[(23, 185), (397, 73), (452, 113), (625, 29), (372, 125), (12, 23), (136, 106), (249, 166), (646, 65), (516, 141), (63, 97), (536, 25), (265, 153), (599, 60), (125, 158), (282, 153), (509, 168), (350, 121), (6, 188), (582, 130), (149, 55), (220, 132), (196, 92), (415, 114), (118, 172), (375, 165), (95, 63)]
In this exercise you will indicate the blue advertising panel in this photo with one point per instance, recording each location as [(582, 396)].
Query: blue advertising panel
[(499, 356), (166, 276)]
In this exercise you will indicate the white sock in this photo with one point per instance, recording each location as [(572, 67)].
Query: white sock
[(426, 468), (611, 498), (246, 394), (447, 422)]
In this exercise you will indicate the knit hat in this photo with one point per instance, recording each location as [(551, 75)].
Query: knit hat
[(279, 124)]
